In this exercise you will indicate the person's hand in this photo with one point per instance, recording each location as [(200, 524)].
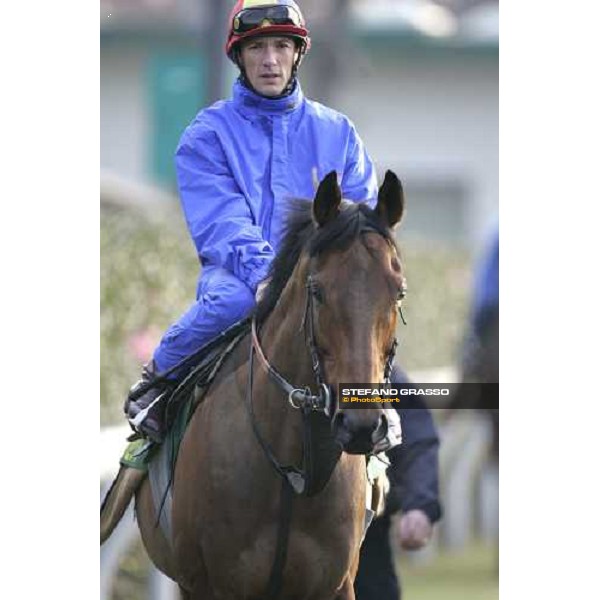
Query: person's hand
[(412, 530)]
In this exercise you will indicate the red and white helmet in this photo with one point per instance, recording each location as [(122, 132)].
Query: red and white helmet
[(258, 17)]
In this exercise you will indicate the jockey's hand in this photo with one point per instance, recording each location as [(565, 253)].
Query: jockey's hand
[(260, 290), (412, 530)]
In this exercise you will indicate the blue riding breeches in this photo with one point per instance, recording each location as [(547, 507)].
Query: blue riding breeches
[(221, 300)]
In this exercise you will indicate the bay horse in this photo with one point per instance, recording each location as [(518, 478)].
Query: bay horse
[(327, 316)]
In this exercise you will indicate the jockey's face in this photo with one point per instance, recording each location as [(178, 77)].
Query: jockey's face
[(268, 62)]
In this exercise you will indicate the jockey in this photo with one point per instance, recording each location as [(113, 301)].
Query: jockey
[(237, 164)]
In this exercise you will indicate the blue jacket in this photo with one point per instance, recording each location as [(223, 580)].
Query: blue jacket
[(238, 165), (239, 161)]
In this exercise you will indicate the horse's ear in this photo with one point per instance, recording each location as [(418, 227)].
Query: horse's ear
[(390, 200), (328, 199)]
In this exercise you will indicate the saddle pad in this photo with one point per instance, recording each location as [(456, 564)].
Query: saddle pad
[(138, 454)]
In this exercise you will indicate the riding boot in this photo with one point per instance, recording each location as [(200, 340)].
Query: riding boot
[(146, 412)]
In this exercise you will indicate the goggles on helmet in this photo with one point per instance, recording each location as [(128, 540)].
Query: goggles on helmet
[(254, 18)]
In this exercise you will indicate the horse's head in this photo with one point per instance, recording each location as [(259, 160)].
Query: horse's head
[(355, 282)]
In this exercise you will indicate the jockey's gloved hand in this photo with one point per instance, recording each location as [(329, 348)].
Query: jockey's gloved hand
[(146, 412)]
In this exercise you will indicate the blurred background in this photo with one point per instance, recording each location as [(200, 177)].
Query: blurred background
[(419, 78)]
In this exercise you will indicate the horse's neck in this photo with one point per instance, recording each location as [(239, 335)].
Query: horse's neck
[(282, 339)]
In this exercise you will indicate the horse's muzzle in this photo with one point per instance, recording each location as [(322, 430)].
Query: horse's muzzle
[(357, 437)]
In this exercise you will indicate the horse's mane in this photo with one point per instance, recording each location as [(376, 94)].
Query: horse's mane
[(301, 232)]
